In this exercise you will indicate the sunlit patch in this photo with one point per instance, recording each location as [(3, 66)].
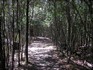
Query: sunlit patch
[(40, 49), (90, 65), (84, 63), (40, 52), (43, 38)]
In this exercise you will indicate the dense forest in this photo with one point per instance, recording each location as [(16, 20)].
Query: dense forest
[(46, 34)]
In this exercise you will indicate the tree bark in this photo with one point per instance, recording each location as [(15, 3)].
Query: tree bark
[(27, 22)]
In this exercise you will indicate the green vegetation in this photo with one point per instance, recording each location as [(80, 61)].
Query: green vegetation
[(68, 23)]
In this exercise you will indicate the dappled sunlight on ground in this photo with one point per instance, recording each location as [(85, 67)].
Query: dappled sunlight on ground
[(83, 63), (43, 55), (39, 50)]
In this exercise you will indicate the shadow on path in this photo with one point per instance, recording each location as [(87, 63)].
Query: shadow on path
[(43, 56)]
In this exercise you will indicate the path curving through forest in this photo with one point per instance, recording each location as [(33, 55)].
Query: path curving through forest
[(41, 54)]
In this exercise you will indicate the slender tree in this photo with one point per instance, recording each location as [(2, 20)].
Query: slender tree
[(55, 21), (13, 35), (18, 32), (27, 22), (68, 11), (2, 59), (3, 33)]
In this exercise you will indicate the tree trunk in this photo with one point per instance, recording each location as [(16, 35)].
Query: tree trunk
[(68, 10), (2, 59), (13, 36), (27, 22)]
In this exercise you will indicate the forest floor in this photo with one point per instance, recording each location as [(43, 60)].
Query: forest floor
[(43, 55)]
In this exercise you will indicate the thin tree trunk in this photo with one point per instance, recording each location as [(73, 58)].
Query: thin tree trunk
[(13, 36), (2, 59), (18, 31), (27, 22), (55, 22), (69, 28), (3, 33)]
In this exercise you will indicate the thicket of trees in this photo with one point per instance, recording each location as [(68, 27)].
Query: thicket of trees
[(69, 23)]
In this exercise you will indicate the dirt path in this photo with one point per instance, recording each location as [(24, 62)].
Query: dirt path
[(42, 54)]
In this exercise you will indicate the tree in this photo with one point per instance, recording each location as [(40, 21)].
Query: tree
[(2, 48), (27, 22), (13, 34)]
